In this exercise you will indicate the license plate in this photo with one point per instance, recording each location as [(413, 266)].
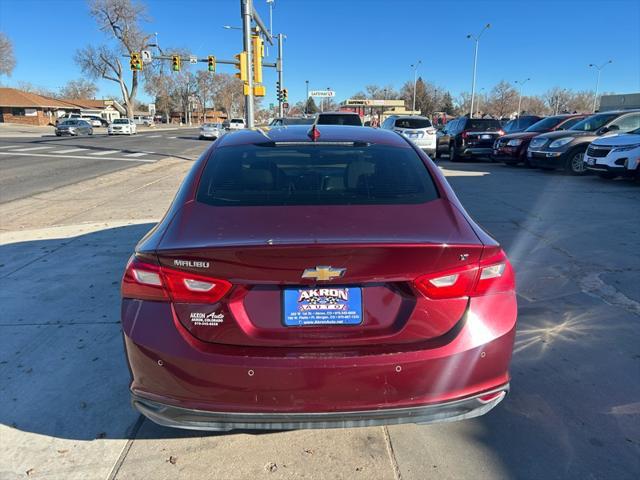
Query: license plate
[(591, 161), (311, 306), (486, 137), (412, 135)]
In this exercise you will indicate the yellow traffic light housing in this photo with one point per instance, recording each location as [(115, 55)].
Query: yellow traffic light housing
[(259, 90), (136, 62), (285, 95), (211, 63), (242, 66), (258, 53), (175, 63)]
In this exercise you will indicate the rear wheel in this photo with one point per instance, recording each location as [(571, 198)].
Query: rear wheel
[(575, 163)]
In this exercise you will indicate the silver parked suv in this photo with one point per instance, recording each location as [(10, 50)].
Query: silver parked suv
[(417, 129)]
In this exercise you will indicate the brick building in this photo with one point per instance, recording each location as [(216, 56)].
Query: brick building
[(27, 108)]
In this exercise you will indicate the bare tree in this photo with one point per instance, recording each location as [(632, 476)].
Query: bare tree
[(503, 100), (79, 89), (37, 89), (228, 94), (8, 62), (120, 20)]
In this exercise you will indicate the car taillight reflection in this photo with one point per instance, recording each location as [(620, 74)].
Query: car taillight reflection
[(146, 281), (492, 275)]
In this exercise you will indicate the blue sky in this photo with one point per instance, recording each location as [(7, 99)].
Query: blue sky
[(347, 44)]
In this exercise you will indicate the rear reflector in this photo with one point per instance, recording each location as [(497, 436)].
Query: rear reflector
[(146, 281), (491, 275)]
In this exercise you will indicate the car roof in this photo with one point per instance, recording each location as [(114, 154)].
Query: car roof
[(421, 117), (300, 134)]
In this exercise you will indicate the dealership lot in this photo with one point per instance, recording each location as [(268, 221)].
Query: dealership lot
[(573, 411)]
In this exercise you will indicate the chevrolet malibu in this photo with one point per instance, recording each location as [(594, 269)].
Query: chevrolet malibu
[(316, 278)]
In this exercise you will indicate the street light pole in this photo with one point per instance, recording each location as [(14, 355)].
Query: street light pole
[(245, 9), (280, 76), (520, 83), (599, 68), (306, 102), (415, 82), (475, 65)]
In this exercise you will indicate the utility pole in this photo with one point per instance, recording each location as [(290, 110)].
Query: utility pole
[(246, 10), (475, 65), (599, 68), (520, 83), (415, 82), (306, 102), (279, 70)]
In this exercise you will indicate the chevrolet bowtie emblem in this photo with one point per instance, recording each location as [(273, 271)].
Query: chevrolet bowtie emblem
[(323, 273)]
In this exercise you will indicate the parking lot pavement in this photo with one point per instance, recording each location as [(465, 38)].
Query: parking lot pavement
[(573, 412)]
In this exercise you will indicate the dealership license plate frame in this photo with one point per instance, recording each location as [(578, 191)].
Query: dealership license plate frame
[(312, 318)]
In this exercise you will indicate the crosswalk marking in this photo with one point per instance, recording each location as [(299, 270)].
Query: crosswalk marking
[(154, 136), (172, 138), (30, 149), (79, 157), (71, 150), (106, 152), (137, 154), (9, 146)]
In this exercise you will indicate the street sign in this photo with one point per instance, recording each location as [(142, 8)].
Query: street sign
[(322, 93), (285, 105), (271, 106), (146, 56), (193, 59), (152, 108)]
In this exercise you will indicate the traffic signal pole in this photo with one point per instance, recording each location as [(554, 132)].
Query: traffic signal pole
[(279, 70), (246, 10)]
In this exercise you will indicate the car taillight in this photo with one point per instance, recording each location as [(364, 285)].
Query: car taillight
[(501, 132), (491, 275), (146, 281), (430, 130), (465, 134)]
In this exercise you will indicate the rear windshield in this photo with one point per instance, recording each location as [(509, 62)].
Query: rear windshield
[(121, 120), (413, 123), (298, 121), (484, 124), (315, 175), (337, 119), (237, 120)]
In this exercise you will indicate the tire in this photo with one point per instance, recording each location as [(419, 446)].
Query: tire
[(453, 157), (574, 165)]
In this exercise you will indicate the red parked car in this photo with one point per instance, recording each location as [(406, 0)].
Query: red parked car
[(312, 279), (512, 148)]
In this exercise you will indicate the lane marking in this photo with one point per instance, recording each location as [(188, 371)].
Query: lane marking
[(172, 138), (9, 146), (71, 150), (154, 136), (106, 152), (144, 160), (31, 149), (138, 154)]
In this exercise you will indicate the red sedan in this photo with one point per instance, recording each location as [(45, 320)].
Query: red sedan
[(312, 279)]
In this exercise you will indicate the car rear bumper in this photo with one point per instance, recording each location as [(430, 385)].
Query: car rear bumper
[(178, 380), (474, 151), (191, 419)]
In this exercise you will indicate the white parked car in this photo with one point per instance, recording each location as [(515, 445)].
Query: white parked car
[(122, 126), (145, 120), (236, 124), (615, 155), (417, 129), (211, 130)]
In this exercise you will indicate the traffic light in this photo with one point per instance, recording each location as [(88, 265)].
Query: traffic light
[(278, 91), (175, 63), (242, 66), (211, 62), (136, 62), (285, 95), (258, 53)]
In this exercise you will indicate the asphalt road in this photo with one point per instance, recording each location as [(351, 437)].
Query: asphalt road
[(573, 411), (35, 165)]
